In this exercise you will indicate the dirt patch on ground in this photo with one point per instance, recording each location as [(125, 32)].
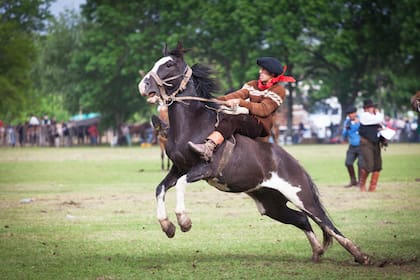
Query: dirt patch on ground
[(396, 262)]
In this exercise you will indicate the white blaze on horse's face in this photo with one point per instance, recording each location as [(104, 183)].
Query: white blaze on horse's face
[(144, 82)]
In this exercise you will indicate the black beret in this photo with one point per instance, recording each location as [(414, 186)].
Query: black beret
[(270, 64), (369, 103), (351, 109)]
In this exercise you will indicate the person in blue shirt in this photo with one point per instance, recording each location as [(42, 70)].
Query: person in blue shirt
[(351, 134)]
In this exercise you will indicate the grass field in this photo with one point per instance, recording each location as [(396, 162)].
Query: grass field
[(89, 213)]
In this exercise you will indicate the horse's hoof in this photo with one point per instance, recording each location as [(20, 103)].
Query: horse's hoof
[(363, 259), (186, 228), (316, 257), (168, 227), (184, 222)]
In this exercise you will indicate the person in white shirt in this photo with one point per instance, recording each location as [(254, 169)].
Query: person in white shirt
[(370, 125)]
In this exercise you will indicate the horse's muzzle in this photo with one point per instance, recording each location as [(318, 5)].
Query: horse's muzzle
[(149, 89)]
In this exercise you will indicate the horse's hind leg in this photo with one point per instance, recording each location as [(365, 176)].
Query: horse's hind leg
[(358, 255), (273, 204)]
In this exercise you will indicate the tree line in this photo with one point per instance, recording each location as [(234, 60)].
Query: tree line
[(92, 61)]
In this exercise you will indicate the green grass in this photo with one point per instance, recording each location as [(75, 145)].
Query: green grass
[(93, 217)]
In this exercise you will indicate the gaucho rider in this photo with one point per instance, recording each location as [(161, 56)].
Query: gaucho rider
[(261, 98)]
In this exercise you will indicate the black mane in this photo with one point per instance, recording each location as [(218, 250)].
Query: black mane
[(204, 83)]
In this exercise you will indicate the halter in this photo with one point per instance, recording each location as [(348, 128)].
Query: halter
[(169, 99)]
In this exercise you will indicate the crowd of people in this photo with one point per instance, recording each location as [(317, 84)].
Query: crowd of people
[(46, 132)]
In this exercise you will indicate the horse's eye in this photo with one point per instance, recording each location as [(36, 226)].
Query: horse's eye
[(170, 64)]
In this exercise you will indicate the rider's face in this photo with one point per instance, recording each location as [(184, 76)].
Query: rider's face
[(265, 76)]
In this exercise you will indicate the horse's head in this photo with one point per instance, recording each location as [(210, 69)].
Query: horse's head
[(169, 75)]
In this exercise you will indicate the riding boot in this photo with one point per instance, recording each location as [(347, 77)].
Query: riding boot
[(206, 149), (353, 181), (363, 177), (373, 181)]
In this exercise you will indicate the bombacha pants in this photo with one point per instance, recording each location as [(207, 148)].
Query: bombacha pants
[(243, 124), (371, 154)]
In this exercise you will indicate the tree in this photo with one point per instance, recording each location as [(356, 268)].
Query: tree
[(358, 51), (51, 73), (19, 22), (92, 63), (115, 44), (405, 67), (16, 51)]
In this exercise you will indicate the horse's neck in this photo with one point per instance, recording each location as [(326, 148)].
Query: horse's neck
[(190, 115), (191, 118)]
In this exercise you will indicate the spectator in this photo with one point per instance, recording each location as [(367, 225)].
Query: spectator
[(93, 134), (351, 134), (126, 133), (11, 136), (2, 133), (370, 124), (21, 134), (66, 134)]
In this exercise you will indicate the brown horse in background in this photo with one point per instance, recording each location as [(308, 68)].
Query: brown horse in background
[(415, 102), (161, 126)]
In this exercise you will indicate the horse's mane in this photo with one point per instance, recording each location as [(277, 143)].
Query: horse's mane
[(204, 83)]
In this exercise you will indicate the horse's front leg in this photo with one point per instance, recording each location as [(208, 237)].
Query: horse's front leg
[(168, 182), (183, 220)]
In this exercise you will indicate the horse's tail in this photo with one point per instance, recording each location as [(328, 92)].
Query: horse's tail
[(321, 218)]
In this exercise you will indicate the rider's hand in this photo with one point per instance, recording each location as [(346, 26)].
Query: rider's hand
[(232, 103)]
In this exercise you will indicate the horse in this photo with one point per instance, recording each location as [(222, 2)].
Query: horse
[(264, 171), (415, 102), (161, 126)]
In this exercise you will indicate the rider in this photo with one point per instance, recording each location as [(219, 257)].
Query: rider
[(260, 97)]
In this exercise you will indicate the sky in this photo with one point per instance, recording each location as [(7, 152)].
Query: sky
[(60, 6)]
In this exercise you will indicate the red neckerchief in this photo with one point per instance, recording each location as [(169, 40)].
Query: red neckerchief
[(273, 81)]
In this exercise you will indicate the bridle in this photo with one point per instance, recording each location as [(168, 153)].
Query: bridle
[(169, 99)]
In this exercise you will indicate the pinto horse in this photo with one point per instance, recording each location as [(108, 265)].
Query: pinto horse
[(264, 171)]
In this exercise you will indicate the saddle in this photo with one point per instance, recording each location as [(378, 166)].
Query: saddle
[(226, 154)]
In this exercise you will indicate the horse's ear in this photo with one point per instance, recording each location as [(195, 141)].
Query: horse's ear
[(179, 46), (165, 50), (181, 49)]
